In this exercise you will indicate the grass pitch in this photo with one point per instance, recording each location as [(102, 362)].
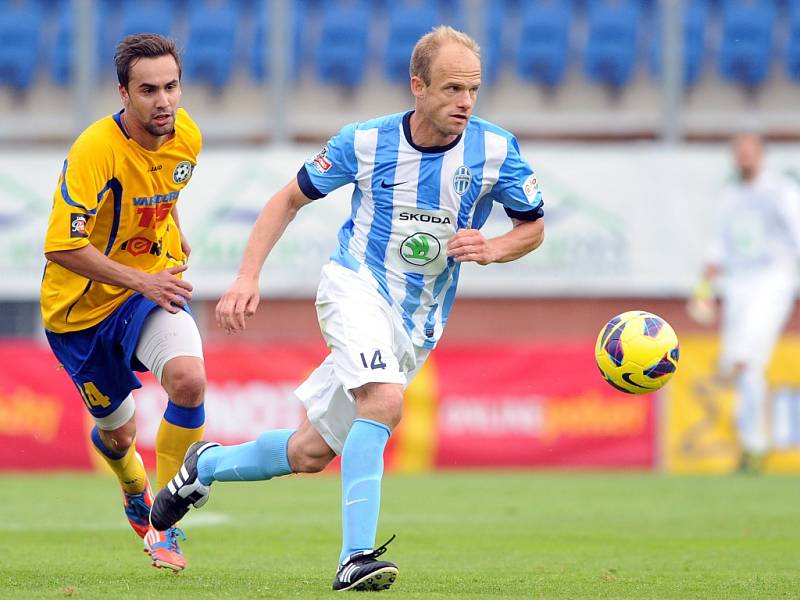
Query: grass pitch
[(459, 535)]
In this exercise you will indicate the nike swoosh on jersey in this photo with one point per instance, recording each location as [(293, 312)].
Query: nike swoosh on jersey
[(386, 186)]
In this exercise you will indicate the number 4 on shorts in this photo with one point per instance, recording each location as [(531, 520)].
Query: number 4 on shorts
[(92, 396), (375, 363)]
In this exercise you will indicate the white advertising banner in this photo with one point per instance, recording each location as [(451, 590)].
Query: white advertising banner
[(621, 220)]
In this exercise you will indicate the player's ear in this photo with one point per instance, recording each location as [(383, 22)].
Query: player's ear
[(123, 94), (417, 86)]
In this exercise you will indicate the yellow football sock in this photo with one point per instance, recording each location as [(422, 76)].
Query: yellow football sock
[(128, 467), (172, 442)]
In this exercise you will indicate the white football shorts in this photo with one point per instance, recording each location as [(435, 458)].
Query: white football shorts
[(368, 344), (754, 313)]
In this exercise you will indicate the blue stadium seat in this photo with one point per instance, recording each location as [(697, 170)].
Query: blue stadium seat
[(61, 51), (301, 12), (258, 61), (20, 26), (494, 49), (147, 16), (211, 42), (408, 21), (610, 53), (544, 41), (746, 49), (793, 43), (342, 52), (695, 22), (452, 13)]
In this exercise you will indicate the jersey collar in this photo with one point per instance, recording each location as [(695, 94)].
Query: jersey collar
[(426, 149), (118, 121)]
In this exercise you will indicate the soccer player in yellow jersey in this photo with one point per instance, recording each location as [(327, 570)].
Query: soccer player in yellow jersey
[(113, 298)]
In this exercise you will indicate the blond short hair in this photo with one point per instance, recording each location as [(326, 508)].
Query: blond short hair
[(428, 45)]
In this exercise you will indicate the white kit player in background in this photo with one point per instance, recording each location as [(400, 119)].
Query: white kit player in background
[(753, 260), (424, 183)]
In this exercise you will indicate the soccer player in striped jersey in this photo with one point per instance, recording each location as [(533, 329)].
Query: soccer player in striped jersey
[(424, 183), (113, 299)]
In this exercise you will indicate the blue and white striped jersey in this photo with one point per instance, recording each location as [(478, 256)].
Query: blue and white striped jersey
[(409, 201)]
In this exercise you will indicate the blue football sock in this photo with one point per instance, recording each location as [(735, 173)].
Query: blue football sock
[(362, 469), (264, 458)]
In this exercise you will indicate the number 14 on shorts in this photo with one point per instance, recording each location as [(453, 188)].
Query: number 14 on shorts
[(375, 363)]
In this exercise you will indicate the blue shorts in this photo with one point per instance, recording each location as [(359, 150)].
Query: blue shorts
[(101, 360)]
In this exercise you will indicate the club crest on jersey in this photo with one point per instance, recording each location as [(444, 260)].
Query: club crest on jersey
[(321, 162), (182, 172), (420, 249), (461, 180), (77, 225)]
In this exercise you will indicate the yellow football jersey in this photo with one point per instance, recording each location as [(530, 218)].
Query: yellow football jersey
[(117, 196)]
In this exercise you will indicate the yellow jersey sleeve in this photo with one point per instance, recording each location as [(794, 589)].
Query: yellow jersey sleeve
[(81, 186)]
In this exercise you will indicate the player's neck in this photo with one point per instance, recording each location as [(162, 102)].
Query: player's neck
[(425, 134), (141, 136)]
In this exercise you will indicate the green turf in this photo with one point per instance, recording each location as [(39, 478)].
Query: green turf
[(460, 535)]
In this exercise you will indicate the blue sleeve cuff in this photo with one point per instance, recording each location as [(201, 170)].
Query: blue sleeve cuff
[(527, 215), (306, 185)]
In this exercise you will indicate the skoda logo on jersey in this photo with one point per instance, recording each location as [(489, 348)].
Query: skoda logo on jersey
[(420, 249), (462, 179), (182, 172)]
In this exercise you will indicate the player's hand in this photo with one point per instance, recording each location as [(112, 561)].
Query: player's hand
[(702, 307), (469, 245), (168, 290), (238, 304)]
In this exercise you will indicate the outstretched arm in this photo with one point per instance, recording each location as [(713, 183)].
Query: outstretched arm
[(241, 299), (469, 245)]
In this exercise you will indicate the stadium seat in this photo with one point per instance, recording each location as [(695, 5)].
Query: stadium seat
[(151, 16), (20, 25), (342, 52), (62, 50), (793, 43), (610, 53), (452, 13), (408, 21), (695, 23), (493, 45), (544, 41), (746, 49), (301, 12), (211, 42)]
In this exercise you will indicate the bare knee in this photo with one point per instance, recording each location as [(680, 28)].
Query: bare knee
[(119, 440), (184, 380), (381, 402)]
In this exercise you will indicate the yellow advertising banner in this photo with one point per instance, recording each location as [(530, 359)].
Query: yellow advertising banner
[(699, 428)]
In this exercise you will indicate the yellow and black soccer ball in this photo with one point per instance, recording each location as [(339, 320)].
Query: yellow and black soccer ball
[(637, 352)]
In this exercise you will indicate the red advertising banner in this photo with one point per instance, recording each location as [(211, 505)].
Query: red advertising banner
[(42, 416), (503, 405), (536, 405)]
